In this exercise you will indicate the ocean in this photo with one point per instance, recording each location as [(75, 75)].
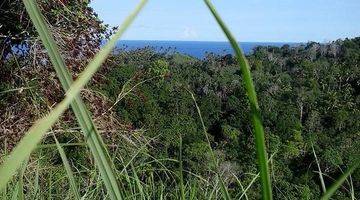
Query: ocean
[(197, 49)]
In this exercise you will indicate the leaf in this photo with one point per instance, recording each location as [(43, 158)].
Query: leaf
[(255, 111), (29, 142), (69, 172), (330, 191)]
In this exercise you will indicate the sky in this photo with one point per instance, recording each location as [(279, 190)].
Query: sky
[(249, 20)]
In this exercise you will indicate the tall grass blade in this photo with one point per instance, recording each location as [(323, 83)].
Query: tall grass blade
[(241, 186), (83, 116), (253, 180), (21, 194), (38, 130), (69, 172), (352, 191), (256, 119), (15, 192), (182, 187), (18, 193), (28, 143), (320, 172), (332, 189), (223, 188), (138, 182)]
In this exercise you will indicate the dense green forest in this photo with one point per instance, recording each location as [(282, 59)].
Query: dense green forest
[(308, 95), (149, 107)]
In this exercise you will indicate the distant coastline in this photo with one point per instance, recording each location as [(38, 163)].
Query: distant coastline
[(196, 49)]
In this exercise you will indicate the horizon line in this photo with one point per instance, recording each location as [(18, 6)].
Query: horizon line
[(154, 40), (279, 42)]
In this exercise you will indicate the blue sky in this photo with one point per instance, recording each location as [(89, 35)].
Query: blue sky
[(249, 20)]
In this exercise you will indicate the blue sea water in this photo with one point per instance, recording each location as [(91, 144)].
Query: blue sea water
[(197, 49)]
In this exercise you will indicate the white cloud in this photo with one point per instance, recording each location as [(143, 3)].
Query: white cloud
[(189, 33)]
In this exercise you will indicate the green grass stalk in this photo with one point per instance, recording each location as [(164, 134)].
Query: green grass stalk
[(223, 188), (182, 186), (29, 142), (83, 116), (320, 172), (68, 170), (255, 110), (332, 189)]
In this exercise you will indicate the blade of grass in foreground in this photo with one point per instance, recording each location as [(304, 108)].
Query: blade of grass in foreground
[(69, 172), (330, 191), (320, 172), (256, 119), (224, 190), (38, 130), (182, 187), (19, 188), (83, 116)]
